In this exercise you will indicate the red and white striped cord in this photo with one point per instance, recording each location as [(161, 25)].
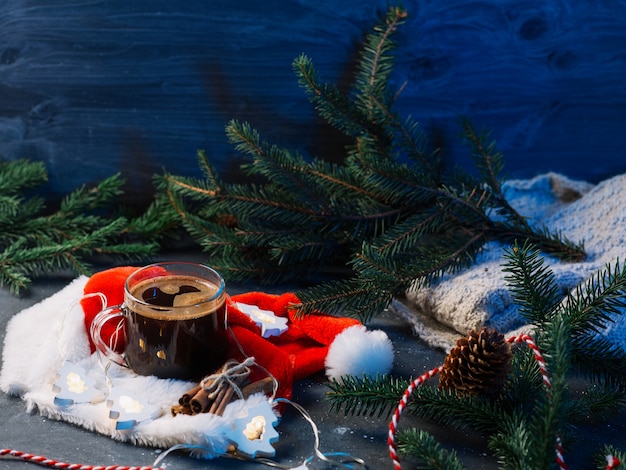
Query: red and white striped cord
[(46, 462), (612, 462), (393, 425), (524, 338)]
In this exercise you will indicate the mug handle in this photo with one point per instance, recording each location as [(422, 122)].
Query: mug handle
[(95, 331)]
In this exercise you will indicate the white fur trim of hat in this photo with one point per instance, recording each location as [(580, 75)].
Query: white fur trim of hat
[(356, 351)]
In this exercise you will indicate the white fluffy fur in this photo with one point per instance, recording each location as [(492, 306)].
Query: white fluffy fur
[(40, 338), (357, 352)]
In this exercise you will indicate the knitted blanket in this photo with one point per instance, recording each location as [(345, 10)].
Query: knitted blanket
[(478, 296)]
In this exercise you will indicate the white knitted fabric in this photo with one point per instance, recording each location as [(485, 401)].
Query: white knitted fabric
[(595, 215)]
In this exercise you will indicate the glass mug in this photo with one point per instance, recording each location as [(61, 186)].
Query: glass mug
[(174, 321)]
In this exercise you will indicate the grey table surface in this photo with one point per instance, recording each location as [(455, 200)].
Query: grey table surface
[(361, 437)]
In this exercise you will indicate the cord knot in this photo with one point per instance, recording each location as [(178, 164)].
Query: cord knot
[(232, 374)]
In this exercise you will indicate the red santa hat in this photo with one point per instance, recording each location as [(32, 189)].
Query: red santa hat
[(302, 346)]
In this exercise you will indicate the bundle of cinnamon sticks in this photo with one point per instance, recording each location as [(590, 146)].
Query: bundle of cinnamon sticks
[(215, 392)]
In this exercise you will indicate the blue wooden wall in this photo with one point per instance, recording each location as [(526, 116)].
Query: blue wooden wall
[(92, 87)]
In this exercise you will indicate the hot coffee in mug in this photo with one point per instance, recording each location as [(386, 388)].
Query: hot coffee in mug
[(174, 321)]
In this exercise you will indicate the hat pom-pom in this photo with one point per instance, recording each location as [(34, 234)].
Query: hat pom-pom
[(357, 352)]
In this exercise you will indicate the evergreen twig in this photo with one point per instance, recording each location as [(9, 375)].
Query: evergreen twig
[(35, 240), (365, 396), (427, 452), (613, 451)]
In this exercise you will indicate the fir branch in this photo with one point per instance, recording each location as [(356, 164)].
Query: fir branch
[(36, 240), (23, 211), (313, 183), (490, 164), (598, 358), (245, 138), (427, 451), (266, 204), (87, 198), (564, 335), (462, 412), (355, 297), (601, 456), (19, 175), (428, 261), (409, 140), (512, 444), (388, 180), (523, 385), (552, 242), (394, 224), (37, 260), (376, 63), (301, 249), (193, 189), (209, 172), (531, 283), (20, 261), (328, 101), (414, 142), (592, 304), (364, 396), (401, 237), (158, 222)]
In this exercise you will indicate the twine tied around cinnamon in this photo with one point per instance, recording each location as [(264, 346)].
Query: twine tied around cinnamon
[(217, 390), (231, 375)]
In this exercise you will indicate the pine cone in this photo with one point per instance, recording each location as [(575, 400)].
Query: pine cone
[(478, 365)]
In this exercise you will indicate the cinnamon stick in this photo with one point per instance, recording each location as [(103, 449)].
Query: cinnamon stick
[(201, 402), (219, 397), (187, 396), (225, 400), (181, 410), (265, 386)]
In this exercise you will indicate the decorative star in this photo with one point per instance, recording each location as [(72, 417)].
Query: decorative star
[(128, 410), (270, 324), (73, 386), (254, 433)]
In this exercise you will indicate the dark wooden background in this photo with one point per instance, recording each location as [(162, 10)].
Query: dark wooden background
[(92, 87)]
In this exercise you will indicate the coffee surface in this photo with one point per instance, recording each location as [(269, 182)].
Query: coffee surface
[(177, 292)]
